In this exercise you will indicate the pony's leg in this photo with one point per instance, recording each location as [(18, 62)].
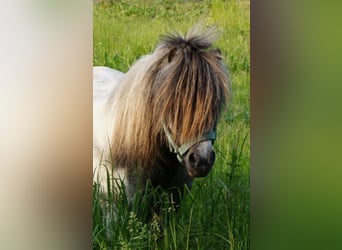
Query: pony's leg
[(111, 184)]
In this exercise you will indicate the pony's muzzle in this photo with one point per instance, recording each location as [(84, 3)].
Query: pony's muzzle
[(200, 159)]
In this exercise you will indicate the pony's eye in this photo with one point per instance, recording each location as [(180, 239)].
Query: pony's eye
[(171, 54)]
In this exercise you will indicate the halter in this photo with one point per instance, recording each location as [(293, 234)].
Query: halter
[(182, 149)]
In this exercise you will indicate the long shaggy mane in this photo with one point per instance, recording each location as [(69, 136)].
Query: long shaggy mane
[(183, 85)]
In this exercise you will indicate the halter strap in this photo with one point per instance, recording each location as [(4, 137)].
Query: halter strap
[(182, 149)]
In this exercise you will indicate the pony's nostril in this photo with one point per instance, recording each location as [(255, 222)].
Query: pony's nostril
[(193, 159), (211, 158)]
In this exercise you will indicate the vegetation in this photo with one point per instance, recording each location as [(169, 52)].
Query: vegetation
[(215, 213)]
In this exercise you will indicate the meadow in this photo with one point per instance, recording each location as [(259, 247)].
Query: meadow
[(215, 213)]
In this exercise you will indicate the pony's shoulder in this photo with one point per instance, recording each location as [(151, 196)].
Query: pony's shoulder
[(105, 80)]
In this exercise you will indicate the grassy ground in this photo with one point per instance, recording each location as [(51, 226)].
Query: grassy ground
[(215, 214)]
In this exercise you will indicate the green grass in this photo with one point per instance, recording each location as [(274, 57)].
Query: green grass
[(215, 213)]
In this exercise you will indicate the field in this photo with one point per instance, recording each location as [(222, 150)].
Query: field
[(215, 213)]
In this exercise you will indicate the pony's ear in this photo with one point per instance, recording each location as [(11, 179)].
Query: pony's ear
[(217, 53), (171, 54)]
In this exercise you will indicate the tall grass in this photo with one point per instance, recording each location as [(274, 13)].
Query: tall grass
[(215, 213)]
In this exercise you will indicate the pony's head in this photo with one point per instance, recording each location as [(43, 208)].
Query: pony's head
[(193, 86), (173, 99)]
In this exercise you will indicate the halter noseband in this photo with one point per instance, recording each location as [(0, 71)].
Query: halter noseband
[(182, 149)]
